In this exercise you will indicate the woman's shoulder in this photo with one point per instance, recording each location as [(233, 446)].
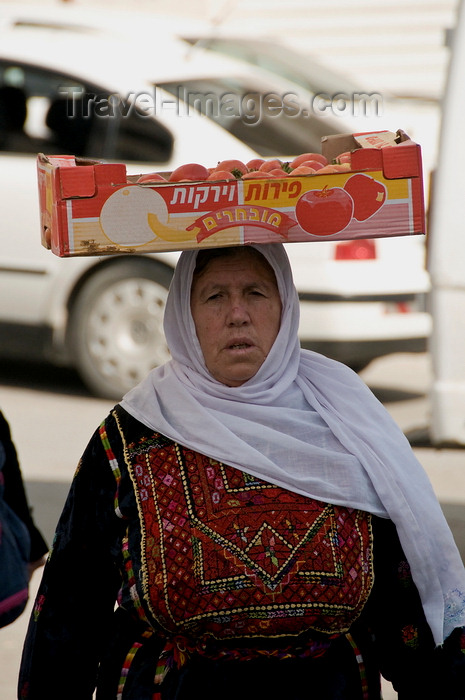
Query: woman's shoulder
[(121, 425)]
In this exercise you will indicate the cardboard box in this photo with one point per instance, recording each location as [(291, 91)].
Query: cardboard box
[(96, 208)]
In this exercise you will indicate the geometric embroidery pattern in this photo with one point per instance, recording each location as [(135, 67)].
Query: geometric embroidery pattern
[(228, 555)]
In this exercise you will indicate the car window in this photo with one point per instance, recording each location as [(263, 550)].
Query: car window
[(271, 124), (282, 60), (44, 111)]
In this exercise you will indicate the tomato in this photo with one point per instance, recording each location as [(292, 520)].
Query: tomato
[(233, 166), (278, 172), (315, 164), (368, 195), (334, 168), (151, 177), (324, 212), (268, 165), (345, 157), (308, 156), (189, 172), (255, 163), (327, 169), (257, 175), (221, 175), (303, 170)]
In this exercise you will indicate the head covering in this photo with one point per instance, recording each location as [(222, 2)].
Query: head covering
[(308, 424)]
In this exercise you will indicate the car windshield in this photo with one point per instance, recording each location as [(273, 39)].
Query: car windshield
[(281, 60), (271, 123)]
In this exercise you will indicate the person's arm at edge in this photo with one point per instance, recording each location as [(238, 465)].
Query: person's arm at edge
[(74, 606)]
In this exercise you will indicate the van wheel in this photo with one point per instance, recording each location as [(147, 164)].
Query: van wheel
[(116, 325)]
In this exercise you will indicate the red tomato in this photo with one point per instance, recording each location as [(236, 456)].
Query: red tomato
[(315, 164), (324, 212), (278, 172), (268, 165), (257, 175), (308, 156), (330, 168), (255, 163), (189, 172), (334, 168), (151, 177), (345, 157), (303, 170), (221, 175), (232, 166), (368, 195)]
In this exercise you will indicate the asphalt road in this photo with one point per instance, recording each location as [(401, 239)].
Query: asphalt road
[(52, 417)]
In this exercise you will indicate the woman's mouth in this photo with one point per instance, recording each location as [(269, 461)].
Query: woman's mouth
[(239, 344)]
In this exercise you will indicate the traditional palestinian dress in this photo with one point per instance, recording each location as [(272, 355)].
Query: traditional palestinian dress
[(274, 539), (213, 567)]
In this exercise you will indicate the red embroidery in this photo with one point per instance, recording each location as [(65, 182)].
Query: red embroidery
[(228, 555)]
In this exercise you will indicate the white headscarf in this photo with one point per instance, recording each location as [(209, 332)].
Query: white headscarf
[(308, 424)]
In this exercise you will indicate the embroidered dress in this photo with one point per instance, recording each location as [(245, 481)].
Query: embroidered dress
[(210, 568), (237, 557)]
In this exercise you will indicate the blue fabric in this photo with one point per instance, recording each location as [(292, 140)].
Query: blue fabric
[(14, 556)]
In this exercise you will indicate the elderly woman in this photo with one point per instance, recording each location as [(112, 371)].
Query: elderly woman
[(248, 502)]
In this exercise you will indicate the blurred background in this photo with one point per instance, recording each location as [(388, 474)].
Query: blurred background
[(389, 45), (75, 334)]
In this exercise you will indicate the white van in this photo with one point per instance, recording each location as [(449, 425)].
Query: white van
[(446, 257)]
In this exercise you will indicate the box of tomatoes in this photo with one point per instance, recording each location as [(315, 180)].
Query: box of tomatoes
[(360, 186)]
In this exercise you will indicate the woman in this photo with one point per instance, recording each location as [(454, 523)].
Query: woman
[(248, 501)]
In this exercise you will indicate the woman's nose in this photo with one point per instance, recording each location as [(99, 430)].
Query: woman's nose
[(238, 314)]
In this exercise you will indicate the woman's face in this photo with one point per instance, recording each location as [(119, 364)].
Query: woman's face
[(236, 309)]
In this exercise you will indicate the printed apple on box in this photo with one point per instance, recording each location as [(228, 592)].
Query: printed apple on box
[(96, 208)]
